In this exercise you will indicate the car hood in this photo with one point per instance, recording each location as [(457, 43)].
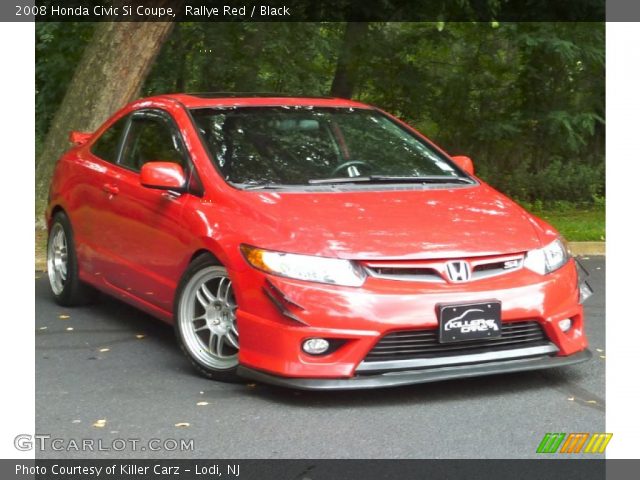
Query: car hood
[(390, 224)]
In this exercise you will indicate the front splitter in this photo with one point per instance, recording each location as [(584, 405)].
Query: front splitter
[(411, 377)]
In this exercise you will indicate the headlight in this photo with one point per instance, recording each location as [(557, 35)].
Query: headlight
[(305, 267), (547, 259)]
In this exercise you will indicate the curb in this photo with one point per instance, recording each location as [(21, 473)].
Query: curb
[(588, 248)]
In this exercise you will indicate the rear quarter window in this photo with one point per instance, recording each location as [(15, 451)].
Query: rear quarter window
[(106, 147)]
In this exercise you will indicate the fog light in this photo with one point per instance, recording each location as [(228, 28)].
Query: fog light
[(565, 324), (315, 346)]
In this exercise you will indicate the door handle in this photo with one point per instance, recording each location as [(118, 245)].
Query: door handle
[(110, 189)]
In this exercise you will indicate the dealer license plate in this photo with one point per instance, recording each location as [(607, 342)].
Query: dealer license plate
[(470, 321)]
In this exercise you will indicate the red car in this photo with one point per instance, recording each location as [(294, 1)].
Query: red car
[(316, 243)]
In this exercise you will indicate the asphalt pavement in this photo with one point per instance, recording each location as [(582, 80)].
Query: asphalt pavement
[(111, 376)]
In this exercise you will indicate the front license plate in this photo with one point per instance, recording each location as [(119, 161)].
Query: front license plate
[(470, 321)]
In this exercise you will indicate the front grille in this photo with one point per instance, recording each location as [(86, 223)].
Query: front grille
[(418, 274), (435, 270), (413, 344)]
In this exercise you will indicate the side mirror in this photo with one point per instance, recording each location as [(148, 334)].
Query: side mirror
[(79, 138), (465, 163), (163, 176)]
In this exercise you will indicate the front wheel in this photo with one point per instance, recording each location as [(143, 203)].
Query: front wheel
[(206, 320)]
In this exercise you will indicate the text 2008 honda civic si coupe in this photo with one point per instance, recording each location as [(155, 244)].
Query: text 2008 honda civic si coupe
[(316, 243)]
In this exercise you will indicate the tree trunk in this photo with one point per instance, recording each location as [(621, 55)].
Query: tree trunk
[(344, 79), (110, 73)]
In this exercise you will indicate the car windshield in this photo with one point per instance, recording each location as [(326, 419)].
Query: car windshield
[(284, 146)]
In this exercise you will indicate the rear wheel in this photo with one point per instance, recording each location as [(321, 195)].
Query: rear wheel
[(206, 320), (62, 265)]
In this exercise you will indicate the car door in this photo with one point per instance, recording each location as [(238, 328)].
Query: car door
[(91, 196), (152, 240)]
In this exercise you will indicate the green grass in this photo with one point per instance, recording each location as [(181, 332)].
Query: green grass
[(576, 224)]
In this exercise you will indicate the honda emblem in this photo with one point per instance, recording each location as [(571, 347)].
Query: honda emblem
[(458, 271)]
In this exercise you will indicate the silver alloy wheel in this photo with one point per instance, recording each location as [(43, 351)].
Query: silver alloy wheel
[(207, 319), (57, 258)]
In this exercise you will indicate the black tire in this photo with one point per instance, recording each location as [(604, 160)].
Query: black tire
[(199, 269), (70, 290)]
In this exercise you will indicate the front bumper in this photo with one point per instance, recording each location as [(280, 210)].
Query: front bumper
[(278, 315), (411, 377)]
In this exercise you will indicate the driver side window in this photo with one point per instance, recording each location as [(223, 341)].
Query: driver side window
[(151, 138)]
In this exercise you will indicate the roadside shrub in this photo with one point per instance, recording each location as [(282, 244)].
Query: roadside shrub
[(562, 183)]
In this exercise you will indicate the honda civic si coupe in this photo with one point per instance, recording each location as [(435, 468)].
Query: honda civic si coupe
[(315, 243)]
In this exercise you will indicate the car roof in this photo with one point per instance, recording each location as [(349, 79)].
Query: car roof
[(242, 99)]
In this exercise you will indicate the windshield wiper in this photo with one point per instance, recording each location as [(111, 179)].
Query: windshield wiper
[(391, 179), (259, 186)]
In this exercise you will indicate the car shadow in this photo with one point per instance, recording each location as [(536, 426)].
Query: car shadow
[(487, 387)]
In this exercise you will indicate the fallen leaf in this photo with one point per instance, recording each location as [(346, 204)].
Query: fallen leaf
[(42, 328), (201, 393), (202, 404), (139, 336), (599, 350), (64, 317), (100, 423), (592, 402), (102, 350), (251, 385), (603, 357), (69, 329), (182, 424), (77, 421), (571, 399)]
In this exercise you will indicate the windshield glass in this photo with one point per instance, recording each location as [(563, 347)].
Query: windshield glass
[(306, 145)]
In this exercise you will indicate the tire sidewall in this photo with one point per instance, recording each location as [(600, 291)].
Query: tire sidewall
[(69, 293)]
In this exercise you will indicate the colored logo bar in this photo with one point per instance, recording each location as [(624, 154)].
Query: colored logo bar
[(574, 443)]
